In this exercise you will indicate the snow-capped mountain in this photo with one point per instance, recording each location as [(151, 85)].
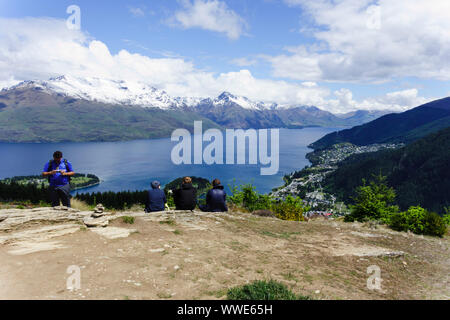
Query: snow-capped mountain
[(227, 98), (109, 110), (109, 91), (133, 93)]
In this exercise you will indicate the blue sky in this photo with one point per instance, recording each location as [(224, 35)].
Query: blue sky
[(339, 55)]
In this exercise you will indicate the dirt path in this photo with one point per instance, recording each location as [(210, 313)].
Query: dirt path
[(200, 256)]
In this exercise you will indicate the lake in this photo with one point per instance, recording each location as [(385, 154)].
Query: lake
[(132, 165)]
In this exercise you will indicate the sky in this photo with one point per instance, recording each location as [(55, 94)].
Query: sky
[(338, 55)]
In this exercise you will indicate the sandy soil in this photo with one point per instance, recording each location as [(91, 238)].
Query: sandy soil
[(200, 256)]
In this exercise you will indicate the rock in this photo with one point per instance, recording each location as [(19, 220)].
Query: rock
[(63, 208), (3, 218), (99, 208), (96, 222), (98, 211), (113, 232), (13, 218), (35, 240), (97, 215)]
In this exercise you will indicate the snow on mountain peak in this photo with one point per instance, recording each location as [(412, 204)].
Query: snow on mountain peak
[(126, 92), (244, 102), (109, 91)]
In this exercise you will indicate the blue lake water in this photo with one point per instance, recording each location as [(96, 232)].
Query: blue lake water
[(132, 165)]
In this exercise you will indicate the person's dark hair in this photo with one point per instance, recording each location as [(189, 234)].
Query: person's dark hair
[(57, 155), (216, 183)]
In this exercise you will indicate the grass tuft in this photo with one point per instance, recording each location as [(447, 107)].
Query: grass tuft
[(263, 290)]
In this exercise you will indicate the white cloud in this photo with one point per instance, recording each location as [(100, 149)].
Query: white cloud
[(211, 15), (137, 12), (395, 101), (25, 54), (244, 62), (363, 41)]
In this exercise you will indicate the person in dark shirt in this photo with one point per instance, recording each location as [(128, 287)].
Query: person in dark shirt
[(215, 199), (156, 198), (59, 172), (185, 198)]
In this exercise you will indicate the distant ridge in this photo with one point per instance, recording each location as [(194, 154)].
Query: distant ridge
[(71, 109), (402, 127)]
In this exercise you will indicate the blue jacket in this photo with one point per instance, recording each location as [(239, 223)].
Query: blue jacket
[(216, 200), (155, 200), (58, 180)]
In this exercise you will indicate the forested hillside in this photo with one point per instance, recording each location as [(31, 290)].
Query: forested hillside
[(419, 172)]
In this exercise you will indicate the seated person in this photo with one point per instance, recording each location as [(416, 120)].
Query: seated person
[(156, 198), (216, 199), (185, 198)]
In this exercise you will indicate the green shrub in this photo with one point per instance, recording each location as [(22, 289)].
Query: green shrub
[(263, 290), (435, 225), (446, 219), (373, 202), (446, 216), (247, 197), (419, 221), (127, 219), (292, 209)]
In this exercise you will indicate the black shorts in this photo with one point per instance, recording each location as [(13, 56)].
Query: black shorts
[(58, 194)]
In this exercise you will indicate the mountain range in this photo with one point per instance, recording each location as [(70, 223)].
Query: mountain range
[(93, 109), (403, 127)]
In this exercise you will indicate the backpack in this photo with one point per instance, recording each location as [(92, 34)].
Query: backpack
[(50, 166)]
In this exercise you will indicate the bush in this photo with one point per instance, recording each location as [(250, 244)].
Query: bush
[(291, 209), (446, 219), (446, 216), (263, 290), (419, 221), (373, 202), (248, 198), (435, 225)]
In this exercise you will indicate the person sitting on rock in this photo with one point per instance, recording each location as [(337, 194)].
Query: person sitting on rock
[(156, 198), (215, 199), (185, 198), (59, 171)]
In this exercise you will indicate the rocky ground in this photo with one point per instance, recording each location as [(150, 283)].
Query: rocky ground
[(194, 255)]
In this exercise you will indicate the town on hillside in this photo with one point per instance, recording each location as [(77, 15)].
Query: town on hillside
[(307, 183)]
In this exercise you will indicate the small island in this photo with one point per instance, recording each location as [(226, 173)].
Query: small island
[(79, 181)]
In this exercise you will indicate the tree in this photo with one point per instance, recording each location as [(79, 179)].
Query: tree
[(374, 201)]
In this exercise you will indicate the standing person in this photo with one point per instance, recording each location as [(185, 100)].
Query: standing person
[(216, 198), (156, 198), (59, 171), (185, 198)]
